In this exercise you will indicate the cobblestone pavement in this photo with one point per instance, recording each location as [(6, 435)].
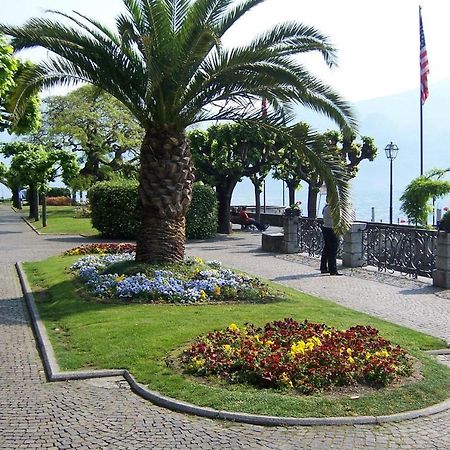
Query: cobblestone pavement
[(105, 414)]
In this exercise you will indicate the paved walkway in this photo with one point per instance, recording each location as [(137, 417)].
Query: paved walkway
[(104, 414)]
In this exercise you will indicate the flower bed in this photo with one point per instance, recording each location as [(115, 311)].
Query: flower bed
[(101, 249), (190, 282), (307, 357)]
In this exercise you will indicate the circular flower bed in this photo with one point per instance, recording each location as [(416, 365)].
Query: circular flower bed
[(307, 357), (190, 282)]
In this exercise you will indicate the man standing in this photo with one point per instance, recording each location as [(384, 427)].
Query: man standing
[(329, 252)]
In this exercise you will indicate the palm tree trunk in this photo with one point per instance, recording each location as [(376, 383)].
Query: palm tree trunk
[(165, 191)]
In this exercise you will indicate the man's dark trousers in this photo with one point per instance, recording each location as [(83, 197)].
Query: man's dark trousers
[(329, 252)]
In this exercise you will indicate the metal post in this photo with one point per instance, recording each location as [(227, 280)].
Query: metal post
[(264, 195), (390, 196)]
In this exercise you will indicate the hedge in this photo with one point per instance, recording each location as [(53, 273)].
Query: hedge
[(59, 201), (201, 218), (114, 210)]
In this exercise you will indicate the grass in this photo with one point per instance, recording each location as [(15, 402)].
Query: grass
[(137, 337), (62, 219)]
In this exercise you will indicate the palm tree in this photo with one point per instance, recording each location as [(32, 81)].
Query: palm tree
[(166, 64)]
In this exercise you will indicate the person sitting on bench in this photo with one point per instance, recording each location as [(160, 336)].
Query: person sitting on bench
[(249, 221)]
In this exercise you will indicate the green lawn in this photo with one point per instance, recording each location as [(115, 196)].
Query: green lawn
[(62, 219), (88, 334)]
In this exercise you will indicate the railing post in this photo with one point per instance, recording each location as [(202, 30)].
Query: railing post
[(290, 239), (352, 253), (441, 274)]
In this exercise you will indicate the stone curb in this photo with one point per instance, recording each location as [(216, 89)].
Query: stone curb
[(53, 373)]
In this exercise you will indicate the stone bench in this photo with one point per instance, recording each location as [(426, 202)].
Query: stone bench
[(273, 242)]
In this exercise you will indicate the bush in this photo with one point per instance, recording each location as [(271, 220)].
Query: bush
[(201, 218), (114, 208), (444, 224), (58, 192), (59, 201)]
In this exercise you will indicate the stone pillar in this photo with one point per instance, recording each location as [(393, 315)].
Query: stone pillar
[(352, 252), (441, 274), (290, 239)]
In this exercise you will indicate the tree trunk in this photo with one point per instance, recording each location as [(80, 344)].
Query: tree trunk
[(312, 201), (17, 203), (257, 201), (74, 197), (165, 190), (224, 192), (291, 190), (44, 210), (34, 203)]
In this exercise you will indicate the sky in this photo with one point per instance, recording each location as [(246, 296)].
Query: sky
[(377, 41)]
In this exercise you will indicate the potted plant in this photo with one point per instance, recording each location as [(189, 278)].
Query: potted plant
[(294, 210)]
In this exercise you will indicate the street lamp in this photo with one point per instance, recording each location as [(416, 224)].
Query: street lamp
[(391, 153)]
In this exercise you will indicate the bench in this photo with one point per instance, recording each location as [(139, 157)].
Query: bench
[(237, 220)]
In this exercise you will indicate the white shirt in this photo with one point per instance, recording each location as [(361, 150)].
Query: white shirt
[(327, 219)]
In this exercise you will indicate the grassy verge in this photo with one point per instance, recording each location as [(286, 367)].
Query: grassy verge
[(62, 219), (85, 333)]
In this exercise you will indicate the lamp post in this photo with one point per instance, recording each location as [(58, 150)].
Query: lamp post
[(391, 153)]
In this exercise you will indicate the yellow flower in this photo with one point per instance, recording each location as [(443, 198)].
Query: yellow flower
[(233, 327), (226, 348), (203, 295), (120, 278), (217, 290), (284, 379), (268, 343), (326, 332), (316, 340), (351, 360), (198, 362), (349, 351), (382, 353), (368, 356)]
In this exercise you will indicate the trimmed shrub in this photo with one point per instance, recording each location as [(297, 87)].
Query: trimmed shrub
[(58, 192), (201, 218), (59, 201), (114, 208)]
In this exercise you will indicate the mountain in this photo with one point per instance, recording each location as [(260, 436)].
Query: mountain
[(396, 118)]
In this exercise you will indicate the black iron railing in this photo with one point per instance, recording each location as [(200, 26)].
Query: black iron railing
[(310, 239), (406, 250), (390, 248)]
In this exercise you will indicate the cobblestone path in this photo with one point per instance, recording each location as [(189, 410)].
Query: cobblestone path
[(105, 414)]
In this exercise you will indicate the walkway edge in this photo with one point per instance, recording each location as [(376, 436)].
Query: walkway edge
[(53, 373)]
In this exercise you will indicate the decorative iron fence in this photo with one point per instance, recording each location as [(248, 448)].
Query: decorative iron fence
[(388, 247), (407, 250), (310, 239)]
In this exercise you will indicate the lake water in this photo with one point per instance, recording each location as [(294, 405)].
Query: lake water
[(364, 198)]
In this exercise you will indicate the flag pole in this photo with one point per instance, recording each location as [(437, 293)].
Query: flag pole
[(420, 97), (424, 71), (421, 135)]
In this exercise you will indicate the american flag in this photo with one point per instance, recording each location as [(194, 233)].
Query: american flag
[(424, 68)]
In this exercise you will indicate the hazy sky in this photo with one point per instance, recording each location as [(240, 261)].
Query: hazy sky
[(377, 41)]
